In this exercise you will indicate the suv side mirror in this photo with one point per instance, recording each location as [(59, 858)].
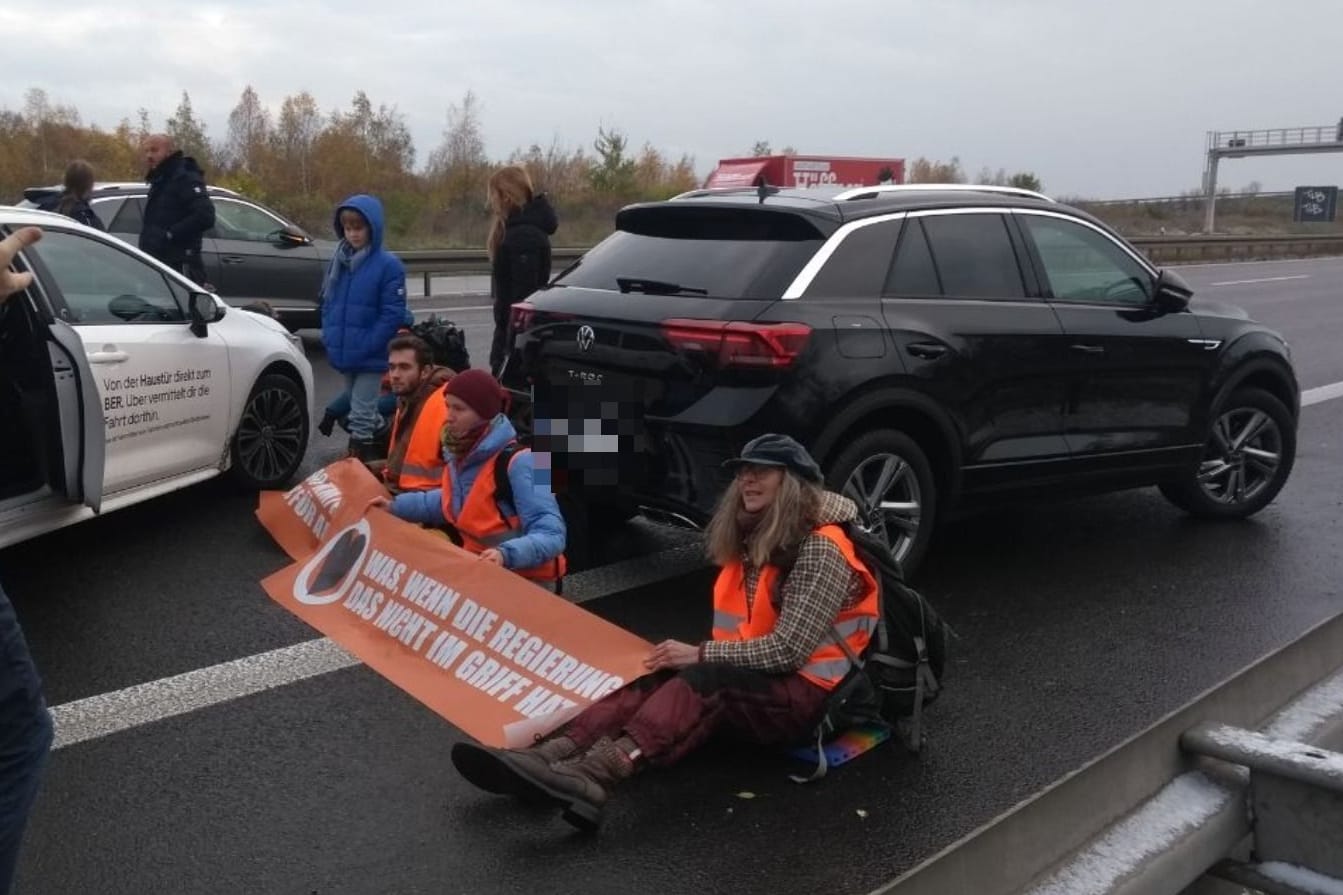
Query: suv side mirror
[(291, 237), (203, 310), (1172, 292)]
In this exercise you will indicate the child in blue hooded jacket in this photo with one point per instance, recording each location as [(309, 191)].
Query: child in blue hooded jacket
[(363, 305)]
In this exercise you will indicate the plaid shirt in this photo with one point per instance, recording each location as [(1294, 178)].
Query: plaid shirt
[(820, 585)]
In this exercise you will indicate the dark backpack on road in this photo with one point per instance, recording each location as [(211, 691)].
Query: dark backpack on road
[(447, 340), (901, 670)]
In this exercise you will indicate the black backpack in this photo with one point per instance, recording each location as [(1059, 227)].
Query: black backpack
[(448, 341), (901, 670)]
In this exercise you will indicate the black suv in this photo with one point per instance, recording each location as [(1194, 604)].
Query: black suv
[(252, 252), (936, 348)]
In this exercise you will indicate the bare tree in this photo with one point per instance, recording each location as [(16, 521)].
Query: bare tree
[(300, 124), (249, 133)]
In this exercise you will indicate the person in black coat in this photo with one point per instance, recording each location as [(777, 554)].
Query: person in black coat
[(178, 210), (73, 202), (519, 249)]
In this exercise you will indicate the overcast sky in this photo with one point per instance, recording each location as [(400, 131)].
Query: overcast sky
[(1100, 99)]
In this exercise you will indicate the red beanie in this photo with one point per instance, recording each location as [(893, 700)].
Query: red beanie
[(481, 392)]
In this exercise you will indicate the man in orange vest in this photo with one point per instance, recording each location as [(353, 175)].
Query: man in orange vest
[(492, 494), (415, 452), (781, 644)]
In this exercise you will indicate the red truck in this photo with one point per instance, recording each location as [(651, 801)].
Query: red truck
[(806, 171)]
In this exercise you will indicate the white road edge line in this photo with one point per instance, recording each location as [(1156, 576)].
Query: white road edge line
[(1299, 276), (1322, 393), (109, 713)]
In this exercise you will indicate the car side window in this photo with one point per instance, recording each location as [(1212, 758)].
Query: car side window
[(103, 285), (913, 275), (238, 220), (107, 210), (974, 256), (1081, 265), (130, 218), (859, 265)]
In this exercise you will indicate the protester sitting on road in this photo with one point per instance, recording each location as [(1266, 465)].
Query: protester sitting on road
[(524, 531), (73, 202), (774, 657), (363, 305), (415, 453), (25, 722)]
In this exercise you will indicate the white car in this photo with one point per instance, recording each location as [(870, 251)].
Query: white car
[(121, 381)]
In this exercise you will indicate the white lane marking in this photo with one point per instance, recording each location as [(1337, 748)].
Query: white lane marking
[(107, 713), (419, 310), (1316, 260), (1323, 393), (1300, 276)]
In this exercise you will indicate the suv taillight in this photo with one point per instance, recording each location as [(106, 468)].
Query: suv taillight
[(769, 345), (520, 316)]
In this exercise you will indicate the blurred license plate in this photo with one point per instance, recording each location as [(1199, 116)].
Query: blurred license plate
[(592, 424)]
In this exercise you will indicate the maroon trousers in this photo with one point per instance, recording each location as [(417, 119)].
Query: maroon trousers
[(670, 714)]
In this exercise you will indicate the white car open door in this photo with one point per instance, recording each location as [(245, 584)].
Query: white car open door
[(82, 438)]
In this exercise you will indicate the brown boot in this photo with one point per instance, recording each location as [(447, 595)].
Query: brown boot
[(581, 787), (484, 768)]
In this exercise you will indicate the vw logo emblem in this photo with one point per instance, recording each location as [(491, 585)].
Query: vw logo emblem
[(586, 337)]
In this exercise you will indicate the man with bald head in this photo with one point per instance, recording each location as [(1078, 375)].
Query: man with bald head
[(178, 210)]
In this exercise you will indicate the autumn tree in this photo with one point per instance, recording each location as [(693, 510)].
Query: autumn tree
[(294, 139), (459, 170), (555, 169), (924, 171), (247, 148), (188, 132), (612, 173)]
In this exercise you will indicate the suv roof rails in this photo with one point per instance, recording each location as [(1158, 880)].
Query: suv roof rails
[(141, 185), (715, 190), (869, 192)]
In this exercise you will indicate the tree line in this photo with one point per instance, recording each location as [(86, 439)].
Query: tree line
[(302, 160)]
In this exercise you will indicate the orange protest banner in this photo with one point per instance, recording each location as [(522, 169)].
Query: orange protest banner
[(302, 518), (489, 651)]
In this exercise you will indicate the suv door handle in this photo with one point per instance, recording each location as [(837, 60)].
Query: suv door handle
[(1089, 349), (926, 350), (108, 357), (231, 259)]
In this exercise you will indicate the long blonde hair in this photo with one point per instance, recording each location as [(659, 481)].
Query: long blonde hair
[(510, 188), (782, 526)]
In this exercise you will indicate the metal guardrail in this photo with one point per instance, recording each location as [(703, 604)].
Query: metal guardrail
[(1163, 811), (1160, 249)]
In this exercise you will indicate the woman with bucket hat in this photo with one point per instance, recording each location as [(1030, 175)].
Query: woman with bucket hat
[(764, 675)]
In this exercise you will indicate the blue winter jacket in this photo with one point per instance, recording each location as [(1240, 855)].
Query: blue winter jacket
[(543, 530), (362, 307)]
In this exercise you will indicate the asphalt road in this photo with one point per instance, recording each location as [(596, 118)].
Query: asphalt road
[(1078, 624)]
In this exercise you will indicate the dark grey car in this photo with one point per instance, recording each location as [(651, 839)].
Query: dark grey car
[(252, 252)]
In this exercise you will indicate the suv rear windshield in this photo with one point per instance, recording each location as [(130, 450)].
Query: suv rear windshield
[(715, 252)]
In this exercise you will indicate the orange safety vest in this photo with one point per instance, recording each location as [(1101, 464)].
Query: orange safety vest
[(482, 524), (422, 466), (736, 618)]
